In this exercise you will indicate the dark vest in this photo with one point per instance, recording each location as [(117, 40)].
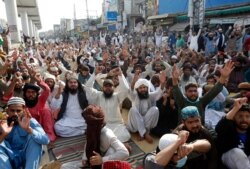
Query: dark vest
[(81, 98)]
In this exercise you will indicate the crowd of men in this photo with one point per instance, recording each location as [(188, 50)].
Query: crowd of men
[(195, 85)]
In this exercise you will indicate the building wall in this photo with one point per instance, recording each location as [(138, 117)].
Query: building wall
[(181, 6)]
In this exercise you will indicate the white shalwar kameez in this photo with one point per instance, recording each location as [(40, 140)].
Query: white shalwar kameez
[(143, 114), (111, 149), (110, 106), (72, 123)]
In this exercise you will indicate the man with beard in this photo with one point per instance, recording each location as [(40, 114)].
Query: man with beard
[(36, 103), (69, 107), (234, 136), (50, 80), (21, 137), (241, 65), (191, 92), (186, 78), (204, 154), (110, 101), (144, 114)]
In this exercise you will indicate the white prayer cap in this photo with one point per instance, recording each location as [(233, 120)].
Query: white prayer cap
[(16, 100), (140, 82), (166, 140), (93, 51), (49, 76), (53, 69), (174, 57)]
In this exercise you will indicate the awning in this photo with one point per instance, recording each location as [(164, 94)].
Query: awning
[(221, 12), (161, 16), (179, 27), (238, 21), (222, 20)]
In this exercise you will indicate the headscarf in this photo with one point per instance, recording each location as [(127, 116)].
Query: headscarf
[(94, 117)]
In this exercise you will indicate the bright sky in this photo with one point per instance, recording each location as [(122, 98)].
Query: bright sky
[(51, 11)]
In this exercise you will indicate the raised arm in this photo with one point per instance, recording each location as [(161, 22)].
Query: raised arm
[(237, 105)]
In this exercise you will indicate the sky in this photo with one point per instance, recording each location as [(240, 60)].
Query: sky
[(51, 11)]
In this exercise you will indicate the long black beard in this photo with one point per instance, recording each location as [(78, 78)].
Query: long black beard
[(12, 119), (30, 103), (72, 91), (108, 95), (143, 95)]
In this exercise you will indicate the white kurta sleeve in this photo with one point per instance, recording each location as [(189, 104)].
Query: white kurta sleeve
[(120, 151), (56, 103), (156, 95), (123, 88), (91, 93)]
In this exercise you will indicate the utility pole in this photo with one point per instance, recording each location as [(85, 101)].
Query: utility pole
[(87, 10)]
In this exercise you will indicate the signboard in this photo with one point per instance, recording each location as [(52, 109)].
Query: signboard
[(112, 16), (112, 27)]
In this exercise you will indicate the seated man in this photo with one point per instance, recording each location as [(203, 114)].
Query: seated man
[(109, 100), (68, 108), (234, 135), (21, 138), (102, 145), (204, 154), (144, 114)]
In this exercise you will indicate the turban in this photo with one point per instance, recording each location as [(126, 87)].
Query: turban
[(94, 118), (49, 76), (141, 82), (31, 86), (71, 75), (16, 100), (189, 111)]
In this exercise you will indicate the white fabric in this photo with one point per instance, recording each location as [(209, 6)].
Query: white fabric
[(142, 123), (110, 146), (236, 159), (72, 117), (49, 76), (141, 82), (183, 83), (166, 140), (110, 106)]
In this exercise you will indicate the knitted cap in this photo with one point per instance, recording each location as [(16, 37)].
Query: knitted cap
[(16, 100)]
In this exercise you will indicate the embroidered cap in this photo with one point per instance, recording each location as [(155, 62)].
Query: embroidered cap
[(189, 111)]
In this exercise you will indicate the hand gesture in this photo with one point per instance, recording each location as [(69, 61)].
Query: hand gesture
[(183, 136), (162, 77), (4, 128), (99, 69), (24, 120), (227, 69), (96, 159), (176, 73), (184, 150), (239, 102), (105, 56), (137, 75)]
